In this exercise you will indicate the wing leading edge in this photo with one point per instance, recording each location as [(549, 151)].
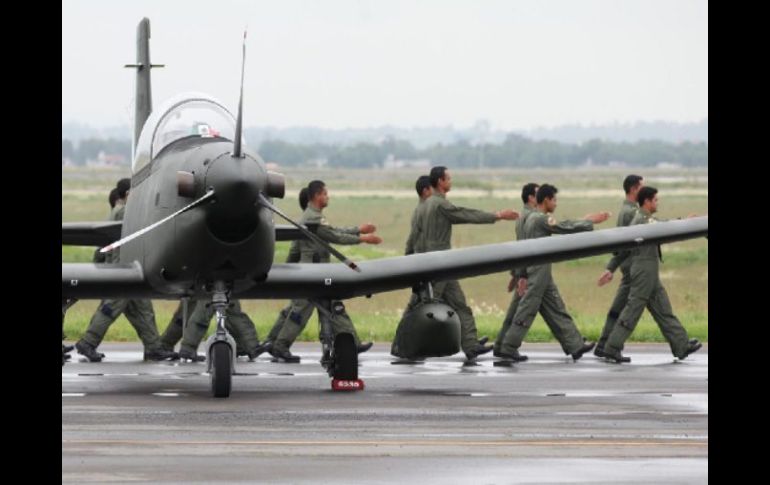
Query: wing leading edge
[(336, 281)]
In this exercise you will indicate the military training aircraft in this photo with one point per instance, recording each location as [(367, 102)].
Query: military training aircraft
[(199, 225)]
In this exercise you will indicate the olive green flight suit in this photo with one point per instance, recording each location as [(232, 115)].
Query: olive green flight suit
[(413, 241), (237, 323), (626, 215), (542, 294), (434, 224), (275, 330), (525, 212), (647, 292), (310, 252), (139, 313)]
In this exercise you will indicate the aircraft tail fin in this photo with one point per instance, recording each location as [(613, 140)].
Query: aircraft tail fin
[(143, 84)]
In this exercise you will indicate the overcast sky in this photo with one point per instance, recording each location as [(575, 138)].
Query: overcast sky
[(357, 63)]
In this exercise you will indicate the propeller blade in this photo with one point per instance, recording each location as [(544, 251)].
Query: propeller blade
[(237, 152), (149, 228), (352, 265)]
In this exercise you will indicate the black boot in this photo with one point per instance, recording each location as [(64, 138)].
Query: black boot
[(582, 350), (160, 354), (185, 354), (693, 345), (84, 348), (284, 356), (364, 347)]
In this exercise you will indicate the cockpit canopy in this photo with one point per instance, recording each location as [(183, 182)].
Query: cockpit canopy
[(185, 115)]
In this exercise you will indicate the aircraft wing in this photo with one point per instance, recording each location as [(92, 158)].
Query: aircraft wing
[(91, 280), (100, 234), (337, 281), (290, 233), (90, 233)]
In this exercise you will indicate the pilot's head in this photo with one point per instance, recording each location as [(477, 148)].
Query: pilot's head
[(317, 194), (632, 184), (648, 199), (424, 190), (440, 179), (528, 193), (546, 197)]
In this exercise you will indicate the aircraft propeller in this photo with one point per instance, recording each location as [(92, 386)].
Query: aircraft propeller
[(149, 228), (352, 265)]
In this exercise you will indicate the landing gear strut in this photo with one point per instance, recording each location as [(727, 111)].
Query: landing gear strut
[(340, 357), (219, 347)]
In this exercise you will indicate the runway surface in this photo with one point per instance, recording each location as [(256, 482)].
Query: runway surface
[(548, 420)]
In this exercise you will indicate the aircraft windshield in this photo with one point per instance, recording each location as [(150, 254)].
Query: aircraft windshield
[(194, 118), (184, 115)]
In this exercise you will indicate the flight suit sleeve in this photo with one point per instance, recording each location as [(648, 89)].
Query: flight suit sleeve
[(350, 230), (550, 225), (464, 215), (410, 244), (335, 236), (294, 253), (617, 260)]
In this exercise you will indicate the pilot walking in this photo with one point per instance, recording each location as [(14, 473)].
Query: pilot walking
[(237, 323), (631, 186), (139, 313), (310, 252), (292, 257), (434, 224), (414, 240), (537, 288), (646, 292), (528, 193)]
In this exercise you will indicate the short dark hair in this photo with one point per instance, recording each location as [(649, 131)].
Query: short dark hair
[(314, 188), (546, 191), (422, 183), (303, 198), (646, 193), (123, 186), (527, 190), (113, 197), (631, 181), (437, 173)]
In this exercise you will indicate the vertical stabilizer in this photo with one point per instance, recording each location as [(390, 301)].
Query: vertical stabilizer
[(143, 96)]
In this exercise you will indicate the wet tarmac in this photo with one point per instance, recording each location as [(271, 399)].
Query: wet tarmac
[(548, 420)]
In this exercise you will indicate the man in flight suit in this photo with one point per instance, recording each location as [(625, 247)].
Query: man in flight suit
[(537, 288), (631, 186), (310, 252), (528, 194), (646, 292), (139, 313), (434, 224)]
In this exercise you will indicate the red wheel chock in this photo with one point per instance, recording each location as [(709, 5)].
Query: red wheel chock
[(347, 385)]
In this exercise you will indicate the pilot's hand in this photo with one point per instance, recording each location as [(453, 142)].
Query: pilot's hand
[(605, 278), (598, 217), (370, 238), (521, 286), (512, 284), (507, 214), (367, 228)]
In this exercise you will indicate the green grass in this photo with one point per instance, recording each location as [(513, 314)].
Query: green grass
[(684, 271)]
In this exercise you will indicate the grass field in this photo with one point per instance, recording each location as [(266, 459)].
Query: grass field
[(684, 271)]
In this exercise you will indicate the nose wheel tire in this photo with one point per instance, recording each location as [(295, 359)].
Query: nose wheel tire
[(221, 369)]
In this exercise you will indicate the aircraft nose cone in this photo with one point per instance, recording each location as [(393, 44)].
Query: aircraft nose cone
[(236, 183)]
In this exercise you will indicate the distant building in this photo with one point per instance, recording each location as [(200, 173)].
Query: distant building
[(107, 160), (391, 163)]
